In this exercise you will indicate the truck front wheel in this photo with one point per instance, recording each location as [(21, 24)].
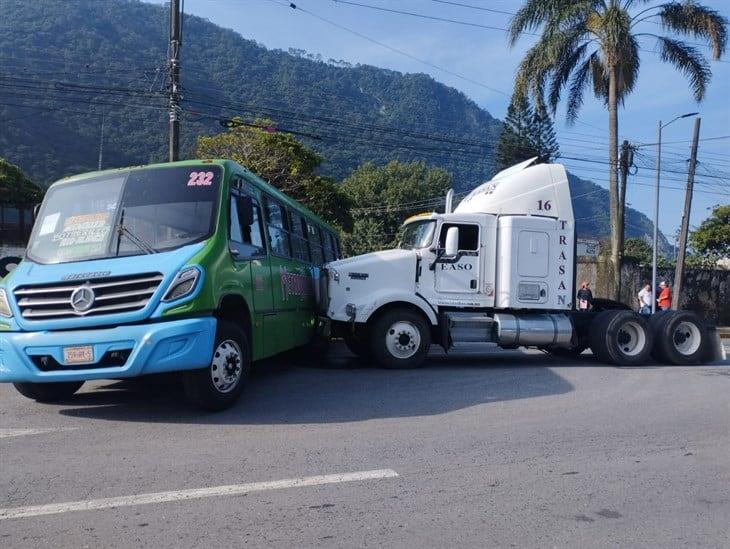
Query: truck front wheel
[(400, 339), (218, 386), (621, 337), (48, 392)]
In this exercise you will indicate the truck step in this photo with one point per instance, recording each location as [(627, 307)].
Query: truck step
[(471, 328)]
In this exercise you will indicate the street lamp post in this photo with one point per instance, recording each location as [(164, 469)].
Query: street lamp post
[(660, 126)]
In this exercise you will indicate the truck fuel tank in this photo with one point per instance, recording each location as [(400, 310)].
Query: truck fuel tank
[(533, 330)]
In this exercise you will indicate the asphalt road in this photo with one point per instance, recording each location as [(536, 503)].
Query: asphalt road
[(510, 449)]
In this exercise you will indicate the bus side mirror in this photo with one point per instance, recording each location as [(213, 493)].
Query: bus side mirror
[(36, 209), (245, 211), (452, 242)]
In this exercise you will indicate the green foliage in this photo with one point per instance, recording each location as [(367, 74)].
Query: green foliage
[(638, 251), (711, 241), (379, 192), (284, 162), (527, 133), (15, 187)]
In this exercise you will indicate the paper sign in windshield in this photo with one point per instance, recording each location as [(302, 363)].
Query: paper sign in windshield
[(83, 229), (49, 224)]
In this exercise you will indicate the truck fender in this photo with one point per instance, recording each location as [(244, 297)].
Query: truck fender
[(384, 297)]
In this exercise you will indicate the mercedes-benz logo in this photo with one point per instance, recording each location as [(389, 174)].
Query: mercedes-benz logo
[(82, 299)]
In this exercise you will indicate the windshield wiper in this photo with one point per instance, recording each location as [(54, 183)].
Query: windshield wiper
[(123, 229)]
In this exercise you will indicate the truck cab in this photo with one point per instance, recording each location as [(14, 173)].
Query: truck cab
[(497, 269)]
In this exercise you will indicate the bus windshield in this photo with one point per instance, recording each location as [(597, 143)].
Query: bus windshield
[(417, 234), (126, 213)]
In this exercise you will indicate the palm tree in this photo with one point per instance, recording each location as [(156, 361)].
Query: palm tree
[(596, 42)]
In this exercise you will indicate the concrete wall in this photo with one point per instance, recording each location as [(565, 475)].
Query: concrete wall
[(706, 292)]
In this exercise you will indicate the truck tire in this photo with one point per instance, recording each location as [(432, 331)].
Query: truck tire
[(358, 343), (620, 337), (680, 338), (400, 338), (218, 386), (48, 392)]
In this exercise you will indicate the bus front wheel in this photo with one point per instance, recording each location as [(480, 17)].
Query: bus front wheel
[(218, 386)]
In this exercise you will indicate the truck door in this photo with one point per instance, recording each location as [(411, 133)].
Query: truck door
[(460, 274)]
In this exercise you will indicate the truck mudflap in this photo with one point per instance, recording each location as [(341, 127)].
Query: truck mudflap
[(715, 349)]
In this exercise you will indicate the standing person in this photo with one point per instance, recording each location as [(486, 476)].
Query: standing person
[(585, 297), (645, 297), (664, 301)]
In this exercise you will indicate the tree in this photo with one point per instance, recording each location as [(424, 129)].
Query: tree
[(283, 161), (711, 241), (15, 187), (526, 133), (596, 42), (386, 195), (637, 250)]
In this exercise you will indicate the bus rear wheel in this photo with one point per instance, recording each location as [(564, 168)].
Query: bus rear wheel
[(357, 342), (621, 337), (48, 392), (218, 386), (400, 339)]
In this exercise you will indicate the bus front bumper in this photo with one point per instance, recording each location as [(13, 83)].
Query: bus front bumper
[(124, 351)]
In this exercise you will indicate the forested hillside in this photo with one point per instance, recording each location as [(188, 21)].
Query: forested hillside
[(66, 66)]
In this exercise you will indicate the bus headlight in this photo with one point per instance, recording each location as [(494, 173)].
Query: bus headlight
[(4, 305), (183, 284)]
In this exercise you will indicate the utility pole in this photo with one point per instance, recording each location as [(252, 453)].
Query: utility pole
[(101, 142), (174, 70), (626, 160), (679, 269)]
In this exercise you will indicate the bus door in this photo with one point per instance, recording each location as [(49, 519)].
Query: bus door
[(251, 261)]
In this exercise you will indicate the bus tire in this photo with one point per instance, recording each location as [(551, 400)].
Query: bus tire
[(7, 264), (400, 338), (358, 342), (218, 386), (620, 337), (680, 338), (48, 392)]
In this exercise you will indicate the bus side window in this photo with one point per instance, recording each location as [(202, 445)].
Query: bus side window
[(247, 240), (278, 228), (299, 237), (329, 250), (315, 244)]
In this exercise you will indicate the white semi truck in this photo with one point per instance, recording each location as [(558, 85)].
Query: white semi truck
[(498, 269)]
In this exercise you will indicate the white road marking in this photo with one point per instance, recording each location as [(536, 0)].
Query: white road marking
[(5, 433), (196, 493)]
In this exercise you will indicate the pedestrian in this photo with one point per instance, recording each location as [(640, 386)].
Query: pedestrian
[(585, 297), (664, 301), (645, 297)]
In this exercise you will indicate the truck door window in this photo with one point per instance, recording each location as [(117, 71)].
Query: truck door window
[(278, 228), (247, 240), (468, 236)]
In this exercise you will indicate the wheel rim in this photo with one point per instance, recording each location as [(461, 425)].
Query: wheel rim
[(687, 338), (403, 339), (631, 338), (226, 368)]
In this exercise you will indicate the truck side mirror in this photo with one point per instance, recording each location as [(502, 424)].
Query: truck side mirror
[(245, 210), (452, 242)]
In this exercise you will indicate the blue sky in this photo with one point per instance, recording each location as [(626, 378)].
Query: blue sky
[(486, 66)]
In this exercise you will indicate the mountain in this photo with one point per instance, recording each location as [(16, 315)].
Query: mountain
[(78, 64)]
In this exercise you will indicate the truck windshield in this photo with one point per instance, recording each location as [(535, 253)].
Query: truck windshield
[(126, 213), (417, 234)]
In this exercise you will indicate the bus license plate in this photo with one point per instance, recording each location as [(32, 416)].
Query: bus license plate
[(78, 355)]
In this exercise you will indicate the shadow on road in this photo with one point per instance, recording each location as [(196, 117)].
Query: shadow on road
[(340, 389)]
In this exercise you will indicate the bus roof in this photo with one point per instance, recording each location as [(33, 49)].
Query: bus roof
[(230, 166)]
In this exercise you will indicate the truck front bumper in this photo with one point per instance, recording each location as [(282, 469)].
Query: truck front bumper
[(124, 351)]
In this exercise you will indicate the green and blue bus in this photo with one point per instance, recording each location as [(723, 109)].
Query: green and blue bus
[(198, 267)]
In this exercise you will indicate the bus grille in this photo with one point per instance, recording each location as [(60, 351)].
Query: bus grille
[(110, 295)]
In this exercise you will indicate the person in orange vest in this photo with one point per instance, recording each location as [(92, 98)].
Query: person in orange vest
[(664, 301)]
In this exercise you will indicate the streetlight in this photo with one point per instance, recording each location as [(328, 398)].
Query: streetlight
[(656, 201)]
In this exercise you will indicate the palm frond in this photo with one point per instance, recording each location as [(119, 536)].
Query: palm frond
[(693, 19), (551, 13), (577, 86), (562, 71), (599, 77), (689, 61)]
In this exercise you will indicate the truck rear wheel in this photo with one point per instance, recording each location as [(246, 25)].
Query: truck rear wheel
[(48, 392), (620, 337), (680, 338), (219, 385), (400, 339)]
